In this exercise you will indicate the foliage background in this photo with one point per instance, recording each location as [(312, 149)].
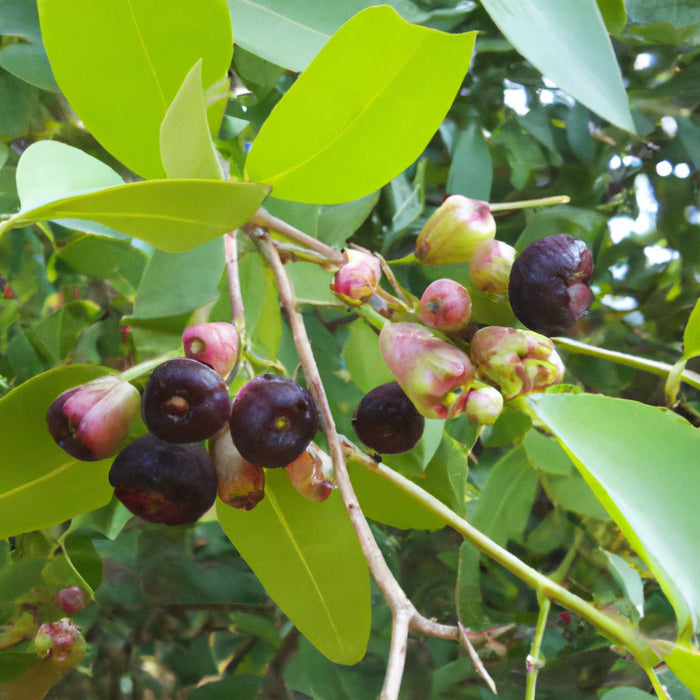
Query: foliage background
[(179, 605)]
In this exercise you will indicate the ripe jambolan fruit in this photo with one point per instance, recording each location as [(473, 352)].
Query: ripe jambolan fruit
[(185, 401), (386, 421), (549, 284), (163, 482), (273, 420)]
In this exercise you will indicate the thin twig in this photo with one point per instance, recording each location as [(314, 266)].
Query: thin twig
[(234, 282), (263, 219), (478, 663)]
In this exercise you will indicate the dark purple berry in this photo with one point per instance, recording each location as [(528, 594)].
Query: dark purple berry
[(162, 482), (549, 284), (386, 420), (185, 401), (273, 420)]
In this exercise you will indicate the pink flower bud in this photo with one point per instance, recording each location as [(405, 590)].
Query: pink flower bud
[(453, 232), (216, 344), (483, 405), (490, 266), (240, 483), (358, 278), (90, 421), (60, 643), (71, 600), (445, 306), (434, 373), (516, 361), (311, 474)]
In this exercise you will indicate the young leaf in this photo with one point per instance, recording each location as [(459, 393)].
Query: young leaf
[(641, 462), (120, 63), (186, 146), (691, 335), (41, 485), (567, 41), (354, 119), (307, 556)]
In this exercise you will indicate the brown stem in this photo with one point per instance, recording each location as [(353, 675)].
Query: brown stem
[(234, 282)]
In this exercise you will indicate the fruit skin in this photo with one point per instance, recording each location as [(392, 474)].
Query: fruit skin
[(90, 421), (453, 232), (434, 373), (549, 284), (60, 643), (273, 420), (490, 266), (216, 344), (185, 401), (445, 306), (484, 405), (311, 474), (386, 421), (514, 360), (357, 279), (163, 482)]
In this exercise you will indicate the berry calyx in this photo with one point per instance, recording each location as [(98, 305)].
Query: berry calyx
[(185, 401), (273, 420), (386, 421), (549, 284), (163, 482)]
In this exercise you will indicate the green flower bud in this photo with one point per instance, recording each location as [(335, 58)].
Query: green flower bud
[(483, 405), (516, 361), (454, 231), (490, 266)]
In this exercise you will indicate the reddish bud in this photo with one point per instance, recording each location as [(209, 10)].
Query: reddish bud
[(60, 643), (433, 373), (358, 278), (516, 361), (453, 232), (216, 344), (445, 306), (240, 484), (311, 474), (71, 600), (90, 421), (490, 266)]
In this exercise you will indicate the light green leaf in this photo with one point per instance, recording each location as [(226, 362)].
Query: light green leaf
[(173, 215), (691, 335), (629, 580), (684, 661), (186, 146), (354, 118), (639, 460), (120, 63), (41, 485), (307, 556), (363, 359), (567, 41), (614, 15)]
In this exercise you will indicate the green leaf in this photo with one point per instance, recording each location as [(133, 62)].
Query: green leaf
[(338, 222), (41, 485), (307, 556), (639, 460), (120, 63), (567, 41), (186, 146), (691, 335), (471, 171), (29, 63), (614, 15), (629, 580), (507, 498), (679, 13), (684, 661), (363, 359), (354, 119), (173, 285), (173, 215)]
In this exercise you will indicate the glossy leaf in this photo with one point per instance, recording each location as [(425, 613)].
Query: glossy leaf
[(41, 485), (29, 63), (684, 661), (568, 42), (691, 335), (120, 63), (186, 146), (307, 556), (634, 473), (354, 120), (173, 215)]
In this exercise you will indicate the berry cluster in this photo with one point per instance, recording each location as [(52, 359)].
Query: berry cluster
[(444, 364), (167, 475)]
